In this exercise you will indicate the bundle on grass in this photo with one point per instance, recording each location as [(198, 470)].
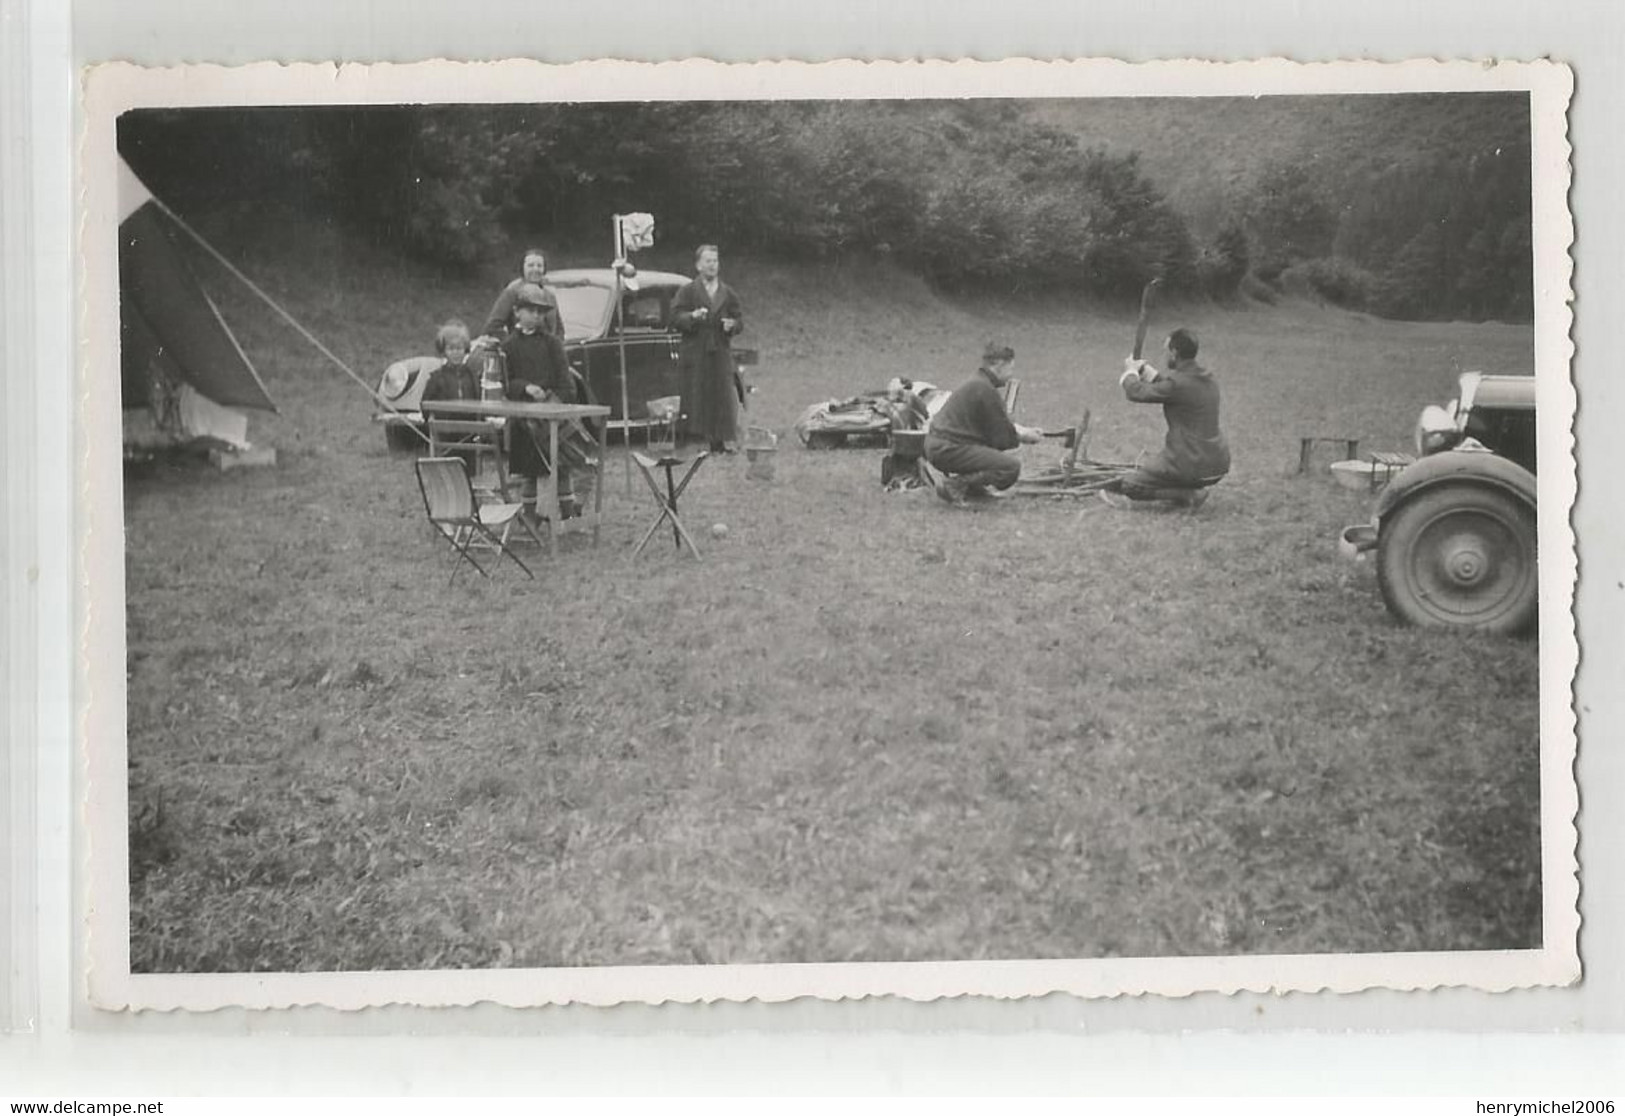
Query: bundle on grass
[(870, 417)]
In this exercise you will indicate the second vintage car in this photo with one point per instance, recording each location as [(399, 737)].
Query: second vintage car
[(594, 341), (1455, 531)]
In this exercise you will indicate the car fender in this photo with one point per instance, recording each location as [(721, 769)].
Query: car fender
[(416, 370), (1457, 467)]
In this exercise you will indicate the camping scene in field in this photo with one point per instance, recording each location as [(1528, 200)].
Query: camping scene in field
[(692, 533)]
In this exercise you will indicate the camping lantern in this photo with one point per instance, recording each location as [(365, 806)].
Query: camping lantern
[(492, 374)]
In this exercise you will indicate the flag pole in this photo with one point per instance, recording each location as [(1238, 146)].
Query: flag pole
[(620, 343)]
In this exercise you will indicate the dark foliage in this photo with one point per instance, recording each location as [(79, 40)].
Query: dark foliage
[(971, 194), (1433, 222), (1340, 282), (1450, 235), (1288, 219), (1222, 264)]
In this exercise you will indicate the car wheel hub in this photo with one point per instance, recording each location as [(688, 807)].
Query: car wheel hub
[(1465, 561), (1466, 565)]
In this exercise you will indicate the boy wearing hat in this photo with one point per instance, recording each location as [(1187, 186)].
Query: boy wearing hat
[(968, 437), (538, 371)]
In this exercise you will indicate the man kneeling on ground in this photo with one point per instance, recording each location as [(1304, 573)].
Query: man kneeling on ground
[(967, 437), (1194, 455)]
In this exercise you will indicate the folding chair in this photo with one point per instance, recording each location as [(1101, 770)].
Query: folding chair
[(476, 438), (448, 497)]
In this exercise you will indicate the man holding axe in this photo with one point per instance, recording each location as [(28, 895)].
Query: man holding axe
[(1195, 454)]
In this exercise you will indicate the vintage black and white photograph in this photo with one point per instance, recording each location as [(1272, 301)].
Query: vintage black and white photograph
[(963, 521)]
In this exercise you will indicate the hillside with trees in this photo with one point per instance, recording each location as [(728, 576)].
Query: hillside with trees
[(1410, 206)]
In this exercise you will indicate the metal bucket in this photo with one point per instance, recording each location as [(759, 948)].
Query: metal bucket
[(761, 451)]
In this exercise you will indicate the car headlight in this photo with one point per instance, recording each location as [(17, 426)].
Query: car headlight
[(1436, 430), (393, 383)]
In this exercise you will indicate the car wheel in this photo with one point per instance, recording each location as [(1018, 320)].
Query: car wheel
[(1460, 556), (403, 439)]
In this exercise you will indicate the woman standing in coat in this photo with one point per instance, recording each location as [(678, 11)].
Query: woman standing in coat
[(708, 314)]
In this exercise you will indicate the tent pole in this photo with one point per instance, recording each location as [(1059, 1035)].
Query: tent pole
[(620, 343)]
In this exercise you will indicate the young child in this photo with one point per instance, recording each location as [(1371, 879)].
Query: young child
[(454, 379), (537, 372)]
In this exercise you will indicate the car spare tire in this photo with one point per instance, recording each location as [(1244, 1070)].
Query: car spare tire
[(1460, 555)]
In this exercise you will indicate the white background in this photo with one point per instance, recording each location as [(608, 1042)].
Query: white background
[(1553, 1042)]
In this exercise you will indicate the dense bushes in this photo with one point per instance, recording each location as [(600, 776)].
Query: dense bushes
[(968, 193), (1287, 219), (1222, 265), (1445, 234), (1340, 282), (1448, 235)]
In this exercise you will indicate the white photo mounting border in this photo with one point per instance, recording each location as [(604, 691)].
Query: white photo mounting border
[(114, 89)]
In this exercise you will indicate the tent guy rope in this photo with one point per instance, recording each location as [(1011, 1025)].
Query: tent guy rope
[(217, 256)]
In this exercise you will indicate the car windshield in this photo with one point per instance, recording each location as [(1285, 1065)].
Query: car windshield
[(583, 310)]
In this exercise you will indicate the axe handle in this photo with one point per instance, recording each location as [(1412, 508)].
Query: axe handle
[(1147, 296)]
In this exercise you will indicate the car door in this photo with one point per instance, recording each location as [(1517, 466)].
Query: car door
[(651, 354)]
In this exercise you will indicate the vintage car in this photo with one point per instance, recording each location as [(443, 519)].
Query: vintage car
[(594, 341), (1455, 531)]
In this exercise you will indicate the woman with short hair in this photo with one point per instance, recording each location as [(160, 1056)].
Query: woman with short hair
[(533, 269)]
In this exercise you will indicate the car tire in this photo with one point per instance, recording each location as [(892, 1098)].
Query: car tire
[(1460, 556), (404, 439)]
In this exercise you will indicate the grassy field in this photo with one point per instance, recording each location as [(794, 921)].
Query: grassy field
[(866, 726)]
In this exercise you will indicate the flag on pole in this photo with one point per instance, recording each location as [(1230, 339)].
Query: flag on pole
[(637, 232)]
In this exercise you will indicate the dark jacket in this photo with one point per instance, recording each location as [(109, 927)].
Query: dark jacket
[(452, 381), (537, 358), (710, 396), (1195, 447), (501, 319), (534, 358), (975, 415)]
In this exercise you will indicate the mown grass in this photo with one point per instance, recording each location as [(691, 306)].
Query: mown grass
[(865, 726)]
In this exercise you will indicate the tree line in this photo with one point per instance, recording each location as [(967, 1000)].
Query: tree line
[(968, 193)]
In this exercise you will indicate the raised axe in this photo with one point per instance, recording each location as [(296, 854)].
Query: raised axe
[(1078, 436), (1147, 296)]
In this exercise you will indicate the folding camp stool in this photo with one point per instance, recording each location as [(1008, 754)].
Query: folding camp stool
[(1306, 447), (668, 499), (1384, 466)]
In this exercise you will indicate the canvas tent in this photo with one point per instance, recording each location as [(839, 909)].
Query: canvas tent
[(183, 375)]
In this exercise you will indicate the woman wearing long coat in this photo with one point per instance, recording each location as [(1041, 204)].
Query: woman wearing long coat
[(708, 314)]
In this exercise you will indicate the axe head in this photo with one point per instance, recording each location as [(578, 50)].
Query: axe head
[(1147, 297)]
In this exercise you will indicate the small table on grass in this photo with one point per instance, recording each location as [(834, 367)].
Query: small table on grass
[(668, 499), (553, 416)]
